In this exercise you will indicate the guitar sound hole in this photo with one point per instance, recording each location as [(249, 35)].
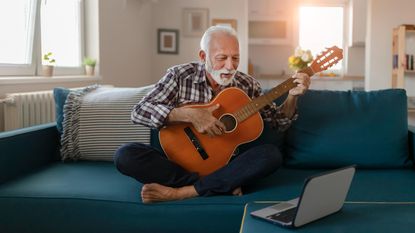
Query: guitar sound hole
[(229, 121)]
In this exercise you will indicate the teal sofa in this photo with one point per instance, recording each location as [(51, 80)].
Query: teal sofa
[(40, 193)]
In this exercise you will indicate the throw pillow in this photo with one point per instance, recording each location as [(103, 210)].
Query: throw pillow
[(59, 95), (98, 120), (339, 128)]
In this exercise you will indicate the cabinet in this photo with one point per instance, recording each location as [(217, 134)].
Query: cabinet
[(270, 22), (403, 51), (262, 9)]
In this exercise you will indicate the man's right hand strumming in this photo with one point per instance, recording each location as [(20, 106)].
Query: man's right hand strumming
[(201, 118)]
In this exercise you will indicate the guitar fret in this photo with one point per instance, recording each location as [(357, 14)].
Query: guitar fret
[(251, 108), (238, 117), (243, 114), (247, 111), (246, 114)]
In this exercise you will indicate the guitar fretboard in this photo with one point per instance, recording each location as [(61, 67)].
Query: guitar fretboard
[(258, 103)]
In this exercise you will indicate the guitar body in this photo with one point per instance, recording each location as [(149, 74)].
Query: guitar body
[(178, 145)]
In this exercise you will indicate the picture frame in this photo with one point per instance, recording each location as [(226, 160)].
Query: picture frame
[(195, 21), (225, 22), (168, 41)]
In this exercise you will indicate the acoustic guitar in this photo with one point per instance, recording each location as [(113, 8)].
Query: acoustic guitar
[(197, 152)]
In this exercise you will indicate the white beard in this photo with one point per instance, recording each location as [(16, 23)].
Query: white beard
[(216, 74)]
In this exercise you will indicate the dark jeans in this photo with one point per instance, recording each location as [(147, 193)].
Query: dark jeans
[(148, 165)]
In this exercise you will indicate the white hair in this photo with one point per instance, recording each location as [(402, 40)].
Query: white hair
[(207, 36)]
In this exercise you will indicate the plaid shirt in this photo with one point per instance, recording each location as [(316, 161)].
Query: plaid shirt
[(187, 84)]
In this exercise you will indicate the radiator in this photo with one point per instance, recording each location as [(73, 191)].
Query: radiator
[(28, 109)]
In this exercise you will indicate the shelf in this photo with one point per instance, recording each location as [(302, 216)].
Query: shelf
[(402, 45), (255, 41), (395, 72)]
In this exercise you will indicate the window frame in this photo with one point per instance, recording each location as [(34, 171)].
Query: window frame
[(343, 5), (24, 69), (35, 67)]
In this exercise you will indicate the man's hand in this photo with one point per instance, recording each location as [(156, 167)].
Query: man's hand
[(201, 118), (303, 83), (204, 122)]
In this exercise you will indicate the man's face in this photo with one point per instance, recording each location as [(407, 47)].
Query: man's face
[(222, 59)]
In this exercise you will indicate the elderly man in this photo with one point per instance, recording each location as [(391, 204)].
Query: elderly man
[(199, 82)]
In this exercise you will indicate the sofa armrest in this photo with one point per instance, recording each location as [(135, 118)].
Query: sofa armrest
[(27, 149)]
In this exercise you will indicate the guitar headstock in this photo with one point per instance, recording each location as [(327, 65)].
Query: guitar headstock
[(326, 59)]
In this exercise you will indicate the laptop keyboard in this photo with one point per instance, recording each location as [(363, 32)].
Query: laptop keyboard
[(284, 216)]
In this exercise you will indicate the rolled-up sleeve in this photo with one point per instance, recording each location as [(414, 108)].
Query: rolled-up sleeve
[(154, 108), (273, 113)]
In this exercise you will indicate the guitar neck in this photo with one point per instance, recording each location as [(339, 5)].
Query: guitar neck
[(258, 103)]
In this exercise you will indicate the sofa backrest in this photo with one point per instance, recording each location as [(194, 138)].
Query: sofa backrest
[(339, 128)]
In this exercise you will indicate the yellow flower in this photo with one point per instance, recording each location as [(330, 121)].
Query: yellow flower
[(300, 59), (291, 59)]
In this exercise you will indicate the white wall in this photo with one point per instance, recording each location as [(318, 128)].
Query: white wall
[(168, 14), (355, 61), (125, 39), (383, 16)]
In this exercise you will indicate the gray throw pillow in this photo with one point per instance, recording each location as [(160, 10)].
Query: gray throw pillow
[(97, 120)]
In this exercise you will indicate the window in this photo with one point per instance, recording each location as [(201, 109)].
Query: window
[(61, 31), (321, 27), (31, 28), (17, 23)]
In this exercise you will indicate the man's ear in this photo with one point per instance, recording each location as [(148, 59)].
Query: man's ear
[(202, 55)]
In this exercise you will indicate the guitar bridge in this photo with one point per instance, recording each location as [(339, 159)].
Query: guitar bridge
[(192, 137)]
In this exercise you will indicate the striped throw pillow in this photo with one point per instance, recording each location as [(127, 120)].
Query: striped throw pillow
[(97, 120)]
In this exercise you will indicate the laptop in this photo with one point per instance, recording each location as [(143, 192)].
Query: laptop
[(322, 195)]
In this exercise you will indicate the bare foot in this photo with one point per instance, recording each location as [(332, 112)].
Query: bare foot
[(157, 193), (237, 192)]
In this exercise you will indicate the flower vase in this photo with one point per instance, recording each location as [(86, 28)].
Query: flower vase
[(90, 70)]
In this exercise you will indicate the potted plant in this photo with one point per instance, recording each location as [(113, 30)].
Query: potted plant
[(48, 64), (90, 66)]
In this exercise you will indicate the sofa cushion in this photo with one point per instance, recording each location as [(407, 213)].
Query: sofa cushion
[(84, 180), (97, 121), (87, 193), (339, 128)]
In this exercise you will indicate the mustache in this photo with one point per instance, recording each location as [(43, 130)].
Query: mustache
[(225, 71)]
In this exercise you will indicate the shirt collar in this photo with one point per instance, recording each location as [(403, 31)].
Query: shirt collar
[(200, 73)]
